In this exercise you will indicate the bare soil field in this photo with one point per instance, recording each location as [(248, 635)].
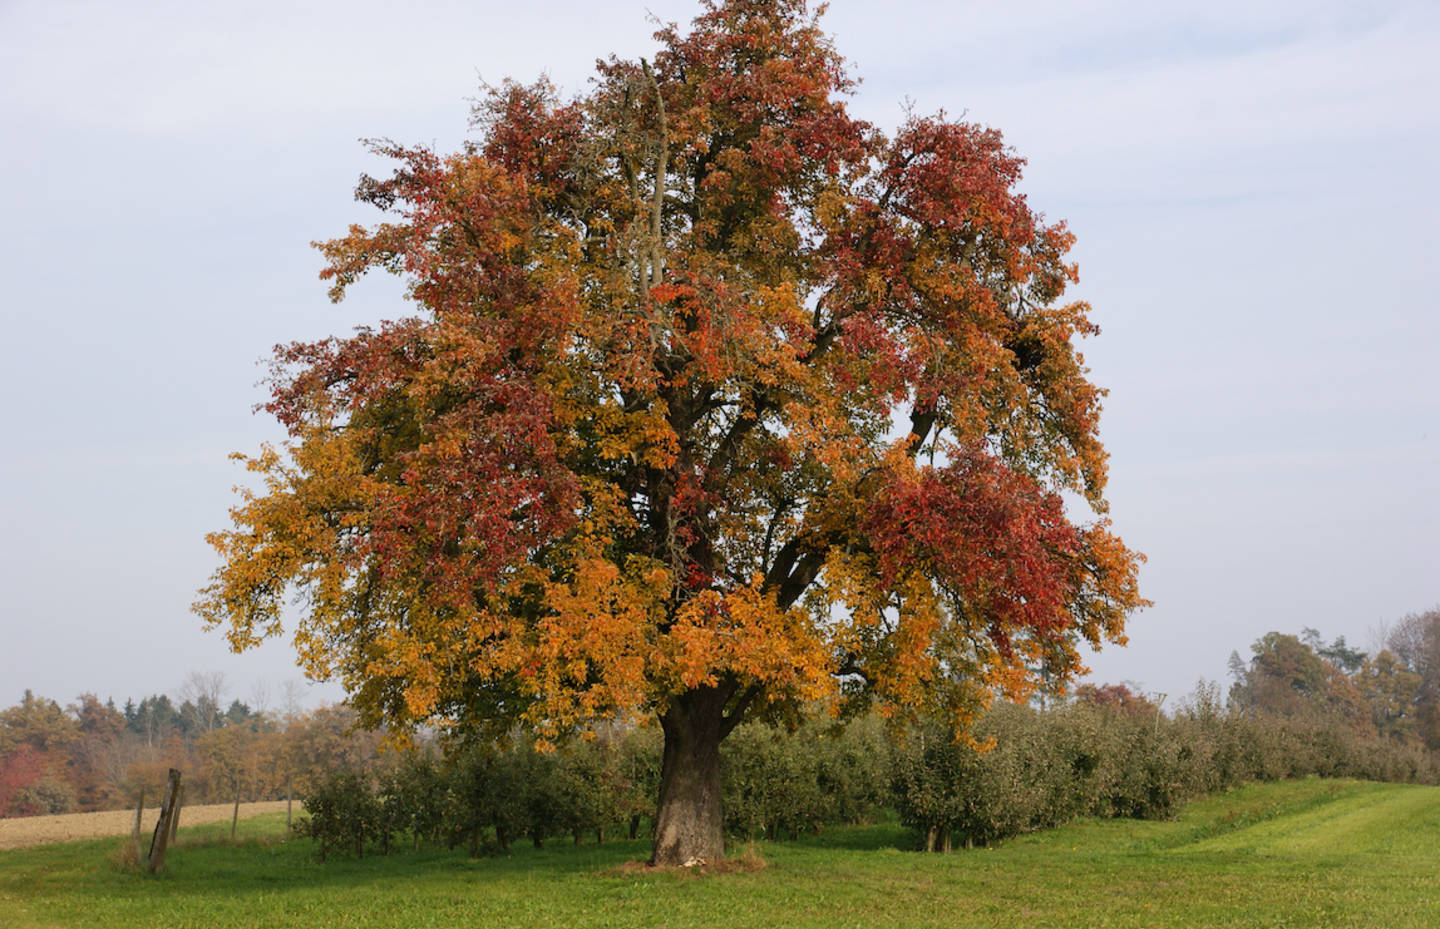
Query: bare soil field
[(69, 827)]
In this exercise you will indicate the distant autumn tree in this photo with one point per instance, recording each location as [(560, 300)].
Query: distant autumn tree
[(38, 722), (1288, 678), (714, 399), (1391, 690), (1415, 641), (1117, 697), (97, 758), (20, 768)]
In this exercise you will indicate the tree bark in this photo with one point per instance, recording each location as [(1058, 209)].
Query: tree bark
[(688, 825)]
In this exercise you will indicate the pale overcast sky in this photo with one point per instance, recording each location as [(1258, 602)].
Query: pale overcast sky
[(1253, 185)]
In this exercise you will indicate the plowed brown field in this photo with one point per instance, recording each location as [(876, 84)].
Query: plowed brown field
[(42, 830)]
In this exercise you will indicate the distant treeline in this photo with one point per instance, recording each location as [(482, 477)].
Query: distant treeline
[(1299, 706), (93, 755)]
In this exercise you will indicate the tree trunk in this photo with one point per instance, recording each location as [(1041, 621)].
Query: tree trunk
[(688, 824)]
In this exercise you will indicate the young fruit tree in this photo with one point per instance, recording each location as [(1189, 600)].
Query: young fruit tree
[(714, 399)]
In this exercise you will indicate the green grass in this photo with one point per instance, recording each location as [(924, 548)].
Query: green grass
[(1303, 853)]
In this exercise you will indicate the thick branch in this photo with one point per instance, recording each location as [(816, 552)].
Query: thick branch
[(781, 508), (737, 712), (762, 402), (852, 668), (796, 566), (920, 425), (800, 579), (657, 198), (720, 462), (783, 563)]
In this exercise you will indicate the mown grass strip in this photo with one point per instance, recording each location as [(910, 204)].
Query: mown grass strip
[(1308, 853)]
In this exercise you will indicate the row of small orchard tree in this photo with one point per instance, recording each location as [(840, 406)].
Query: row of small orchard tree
[(1104, 752), (780, 781), (1110, 753), (486, 795), (1301, 707)]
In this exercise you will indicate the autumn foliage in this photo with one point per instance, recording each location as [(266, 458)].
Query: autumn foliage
[(714, 399)]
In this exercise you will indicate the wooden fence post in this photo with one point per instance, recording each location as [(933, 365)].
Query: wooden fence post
[(235, 817), (139, 811), (175, 813), (161, 837)]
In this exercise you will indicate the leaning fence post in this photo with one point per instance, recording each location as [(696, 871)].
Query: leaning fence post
[(161, 837), (175, 814)]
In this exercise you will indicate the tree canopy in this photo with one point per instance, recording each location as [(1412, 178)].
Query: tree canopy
[(714, 398)]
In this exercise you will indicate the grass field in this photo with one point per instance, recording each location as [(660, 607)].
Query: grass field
[(1304, 853)]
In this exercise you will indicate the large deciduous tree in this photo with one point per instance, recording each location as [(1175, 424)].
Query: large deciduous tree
[(715, 399)]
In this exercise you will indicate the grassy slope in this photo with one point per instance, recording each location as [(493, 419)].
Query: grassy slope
[(1307, 853)]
